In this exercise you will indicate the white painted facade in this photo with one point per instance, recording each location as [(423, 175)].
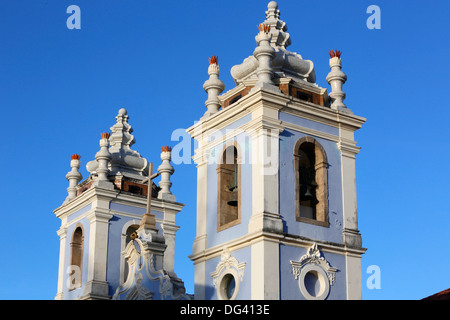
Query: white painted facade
[(270, 252)]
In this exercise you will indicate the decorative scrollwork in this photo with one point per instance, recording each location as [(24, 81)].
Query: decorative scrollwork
[(313, 256)]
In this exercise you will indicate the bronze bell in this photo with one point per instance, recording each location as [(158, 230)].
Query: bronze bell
[(234, 189), (233, 201), (309, 193)]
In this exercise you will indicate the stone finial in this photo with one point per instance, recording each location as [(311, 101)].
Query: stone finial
[(272, 12), (121, 137), (264, 53), (166, 170), (124, 161), (103, 157), (74, 177), (284, 63), (213, 87), (336, 78), (280, 38)]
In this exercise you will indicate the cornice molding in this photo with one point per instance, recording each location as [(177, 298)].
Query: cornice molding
[(226, 95), (324, 115), (116, 196), (286, 239), (311, 132), (99, 215), (62, 232), (276, 101), (348, 148), (246, 105), (141, 202), (82, 200)]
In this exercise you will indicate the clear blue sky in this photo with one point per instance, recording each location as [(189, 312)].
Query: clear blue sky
[(60, 88)]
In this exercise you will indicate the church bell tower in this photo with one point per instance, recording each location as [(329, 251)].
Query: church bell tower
[(117, 234), (276, 183)]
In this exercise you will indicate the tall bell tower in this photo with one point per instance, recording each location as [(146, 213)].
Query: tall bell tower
[(276, 183)]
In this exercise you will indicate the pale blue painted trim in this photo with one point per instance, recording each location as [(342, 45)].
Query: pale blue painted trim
[(78, 213), (138, 211), (125, 208), (236, 124), (308, 123)]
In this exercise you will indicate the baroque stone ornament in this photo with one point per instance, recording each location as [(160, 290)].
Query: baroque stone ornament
[(122, 160), (283, 63), (228, 268), (312, 265), (146, 278), (139, 292)]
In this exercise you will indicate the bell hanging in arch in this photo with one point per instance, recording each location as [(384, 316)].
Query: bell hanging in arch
[(309, 193), (233, 202)]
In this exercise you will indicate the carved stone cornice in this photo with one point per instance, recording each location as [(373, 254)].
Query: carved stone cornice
[(99, 215)]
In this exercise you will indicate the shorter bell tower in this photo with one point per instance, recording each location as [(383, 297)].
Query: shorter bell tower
[(118, 227)]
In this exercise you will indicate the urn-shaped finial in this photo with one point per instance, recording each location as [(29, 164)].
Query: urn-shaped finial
[(213, 87), (336, 78), (166, 170), (73, 176)]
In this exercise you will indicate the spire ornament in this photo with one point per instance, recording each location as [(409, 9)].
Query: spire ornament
[(280, 38), (121, 137), (284, 63), (124, 161), (213, 87)]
